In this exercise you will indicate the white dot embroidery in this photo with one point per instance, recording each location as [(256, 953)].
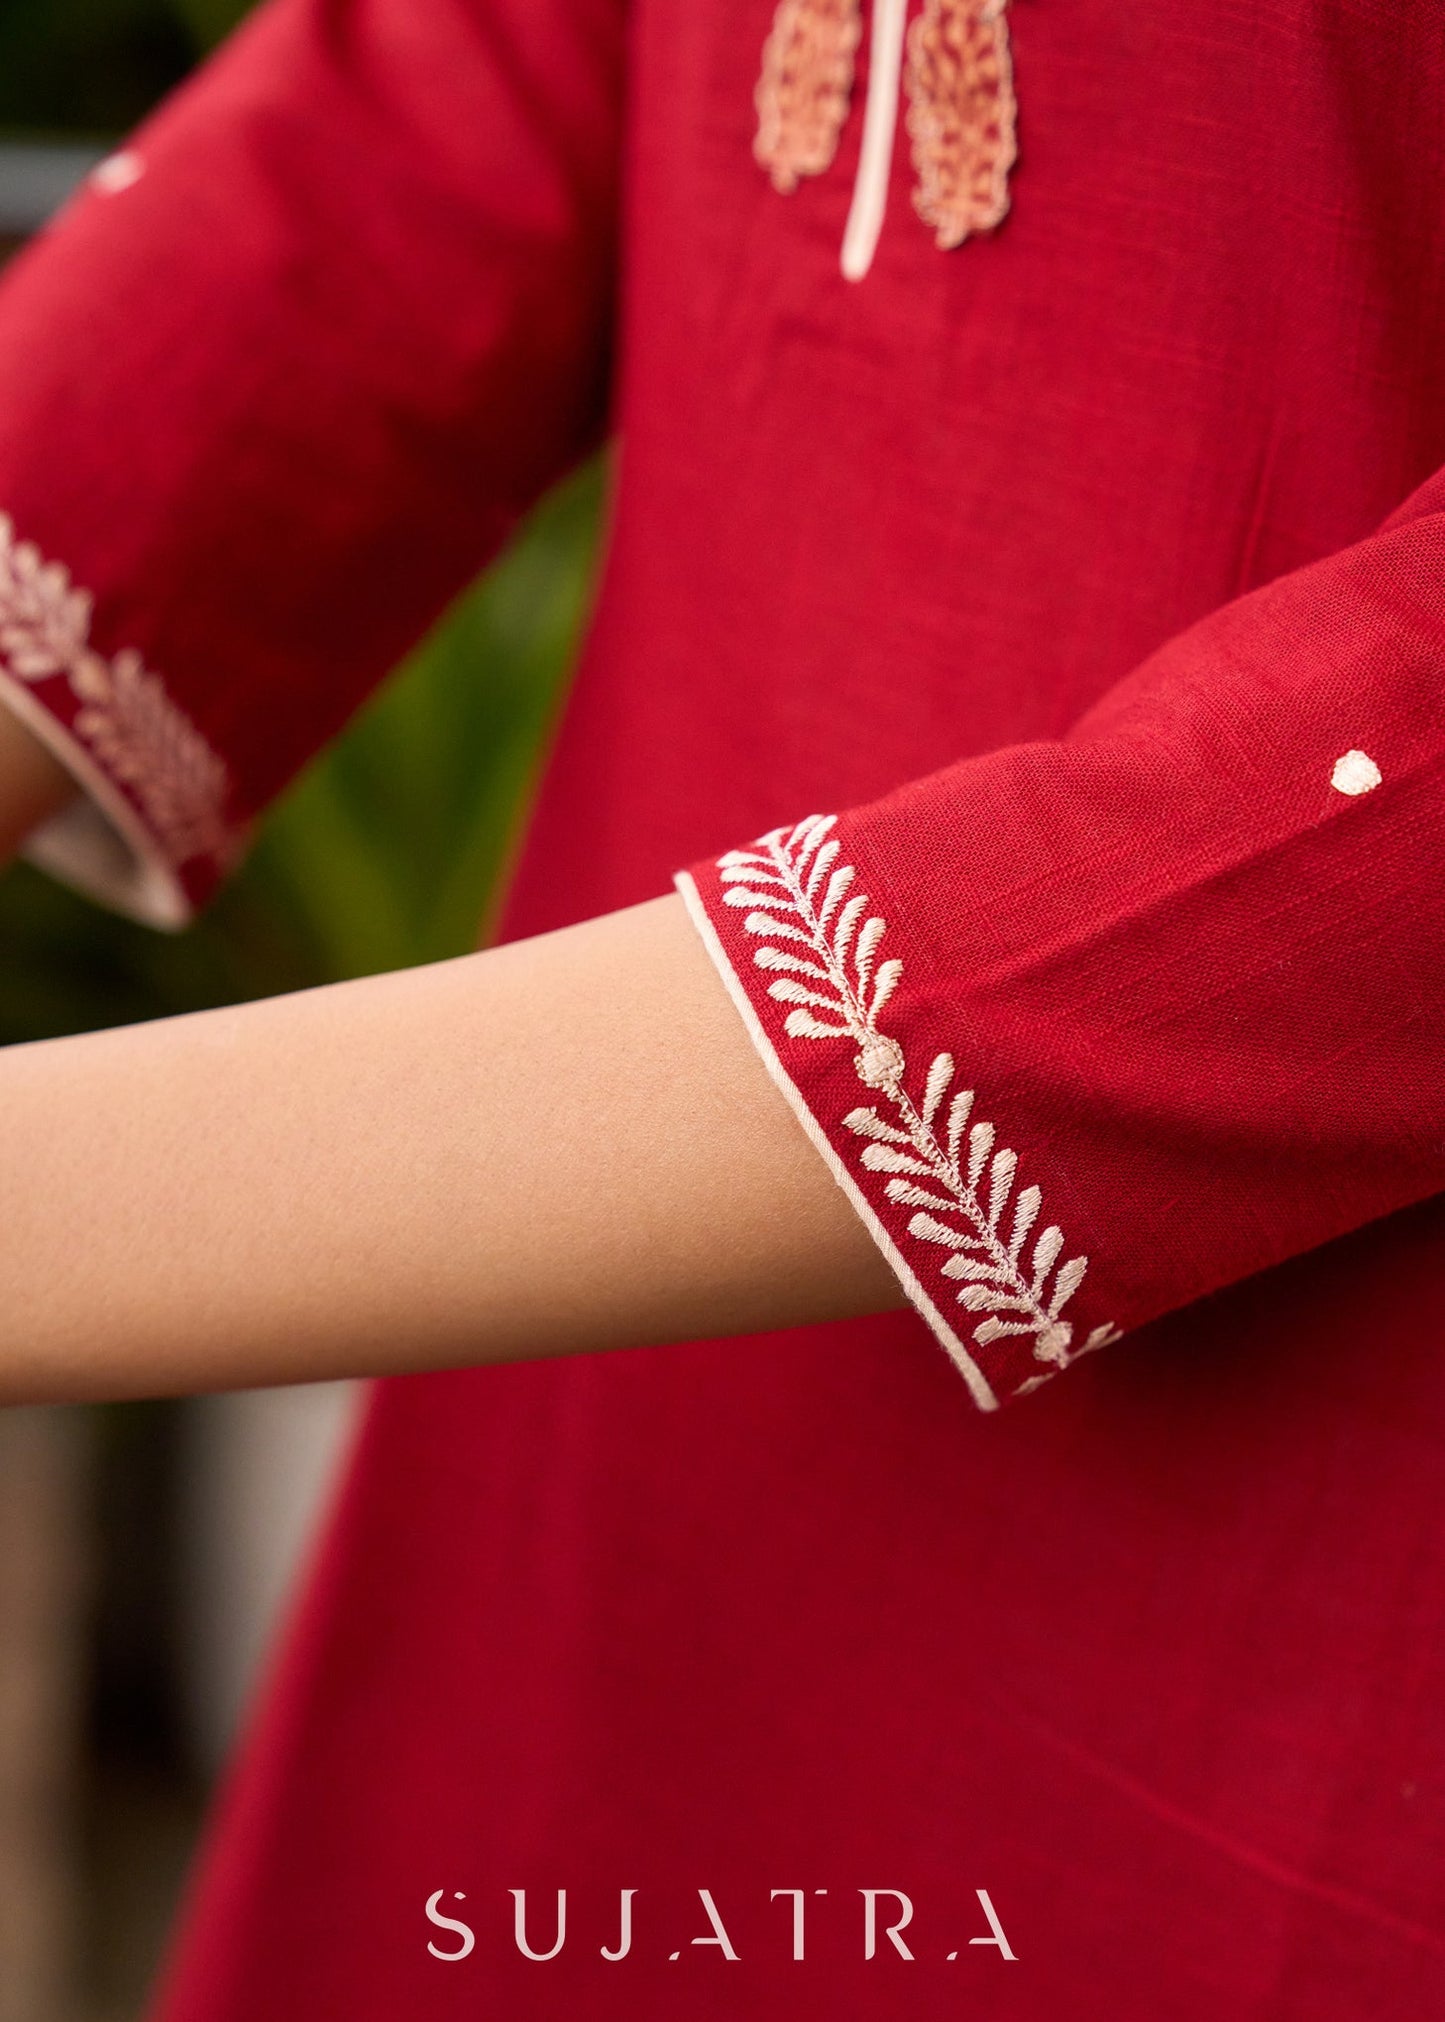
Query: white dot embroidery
[(1355, 773), (117, 172)]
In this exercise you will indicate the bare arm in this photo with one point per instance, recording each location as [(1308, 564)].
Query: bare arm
[(567, 1143)]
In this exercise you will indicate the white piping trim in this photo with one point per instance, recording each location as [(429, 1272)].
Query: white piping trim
[(99, 846), (973, 1376), (880, 121)]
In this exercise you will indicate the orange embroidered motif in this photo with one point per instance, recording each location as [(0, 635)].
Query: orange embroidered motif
[(962, 116), (802, 95)]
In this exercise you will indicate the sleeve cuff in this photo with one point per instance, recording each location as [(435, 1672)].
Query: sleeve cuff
[(152, 837), (819, 980)]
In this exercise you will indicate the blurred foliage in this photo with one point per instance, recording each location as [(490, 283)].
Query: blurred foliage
[(88, 67), (209, 20), (390, 847), (94, 67), (388, 850)]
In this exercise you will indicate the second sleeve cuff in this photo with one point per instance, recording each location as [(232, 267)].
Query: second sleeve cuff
[(820, 978)]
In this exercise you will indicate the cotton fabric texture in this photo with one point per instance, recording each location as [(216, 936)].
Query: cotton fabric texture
[(1064, 568)]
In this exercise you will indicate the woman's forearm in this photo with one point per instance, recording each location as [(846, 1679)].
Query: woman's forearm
[(562, 1144)]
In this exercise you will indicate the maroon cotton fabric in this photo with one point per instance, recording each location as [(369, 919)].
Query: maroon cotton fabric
[(1063, 567)]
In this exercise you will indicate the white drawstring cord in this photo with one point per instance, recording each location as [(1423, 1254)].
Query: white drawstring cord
[(875, 158)]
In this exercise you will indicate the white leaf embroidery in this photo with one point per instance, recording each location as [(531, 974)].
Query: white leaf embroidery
[(883, 988), (803, 1025), (129, 722), (761, 923), (739, 873), (931, 1231), (833, 897), (826, 857), (847, 921), (972, 1267), (774, 958), (909, 1196), (1045, 1250), (885, 1158), (1067, 1282), (939, 1076), (868, 1123), (958, 1111), (1000, 1184), (740, 895), (795, 886), (1025, 1214), (868, 941), (788, 992)]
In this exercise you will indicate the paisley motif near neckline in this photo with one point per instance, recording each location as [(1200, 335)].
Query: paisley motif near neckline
[(956, 68)]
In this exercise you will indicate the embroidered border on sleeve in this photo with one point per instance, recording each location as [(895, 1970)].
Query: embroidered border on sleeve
[(821, 945), (126, 720)]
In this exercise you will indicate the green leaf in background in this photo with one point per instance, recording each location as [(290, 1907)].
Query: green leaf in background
[(210, 20), (90, 69), (87, 69), (389, 849)]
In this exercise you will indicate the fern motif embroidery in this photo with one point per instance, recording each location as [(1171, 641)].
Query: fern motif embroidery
[(128, 720), (821, 944)]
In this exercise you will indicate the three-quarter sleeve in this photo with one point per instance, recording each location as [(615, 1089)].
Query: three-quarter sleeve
[(274, 385), (1089, 1028)]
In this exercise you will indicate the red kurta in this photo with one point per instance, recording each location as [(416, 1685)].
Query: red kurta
[(1146, 969)]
